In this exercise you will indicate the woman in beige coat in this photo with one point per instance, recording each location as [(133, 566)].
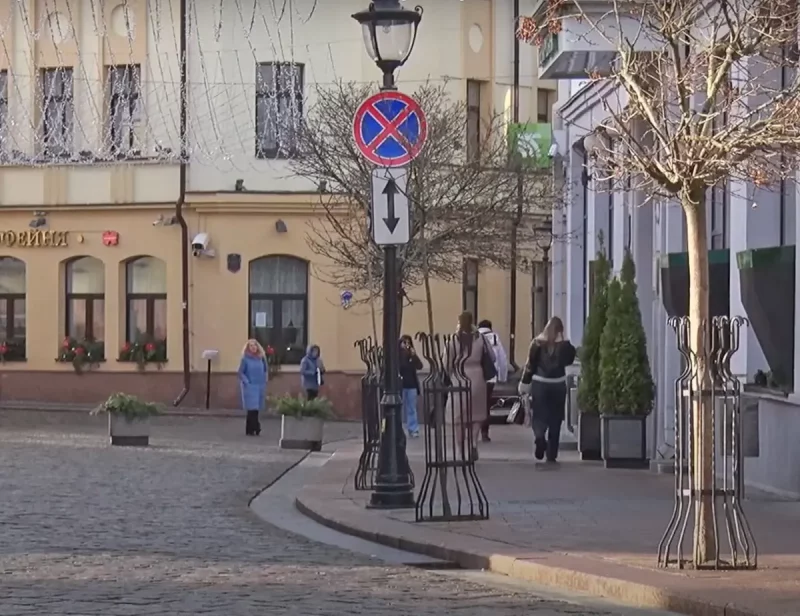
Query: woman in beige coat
[(465, 368)]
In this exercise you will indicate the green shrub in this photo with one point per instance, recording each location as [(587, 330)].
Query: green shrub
[(589, 383), (129, 407), (297, 407), (626, 383)]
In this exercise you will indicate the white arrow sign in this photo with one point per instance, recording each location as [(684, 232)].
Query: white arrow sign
[(391, 218)]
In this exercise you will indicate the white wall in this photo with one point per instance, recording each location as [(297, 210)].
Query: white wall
[(222, 68)]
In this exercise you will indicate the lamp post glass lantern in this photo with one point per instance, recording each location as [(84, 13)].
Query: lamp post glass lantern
[(389, 32), (389, 35)]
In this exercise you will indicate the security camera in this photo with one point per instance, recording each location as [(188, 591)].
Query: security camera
[(553, 151), (200, 244)]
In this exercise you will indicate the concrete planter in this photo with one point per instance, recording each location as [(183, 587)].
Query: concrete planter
[(589, 438), (302, 433), (624, 441), (126, 433)]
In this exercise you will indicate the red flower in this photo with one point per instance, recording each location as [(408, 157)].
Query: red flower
[(149, 347), (3, 349), (79, 351), (66, 343), (126, 347), (270, 351)]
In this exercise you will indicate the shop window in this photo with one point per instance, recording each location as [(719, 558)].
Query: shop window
[(13, 324), (545, 99), (85, 305), (279, 108), (279, 305), (469, 288), (146, 301)]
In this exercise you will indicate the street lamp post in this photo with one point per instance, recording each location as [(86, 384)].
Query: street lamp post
[(544, 238), (389, 33)]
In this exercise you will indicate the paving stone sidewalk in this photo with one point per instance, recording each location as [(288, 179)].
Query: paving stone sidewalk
[(579, 526)]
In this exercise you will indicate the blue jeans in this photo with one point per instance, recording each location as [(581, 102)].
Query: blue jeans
[(410, 411)]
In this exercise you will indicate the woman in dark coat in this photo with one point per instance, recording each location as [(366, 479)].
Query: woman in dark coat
[(410, 364), (545, 379)]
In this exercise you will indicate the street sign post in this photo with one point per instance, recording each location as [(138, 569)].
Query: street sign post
[(391, 215), (390, 129)]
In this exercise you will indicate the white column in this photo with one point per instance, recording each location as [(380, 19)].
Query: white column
[(559, 272), (619, 221), (671, 236), (575, 250), (644, 257)]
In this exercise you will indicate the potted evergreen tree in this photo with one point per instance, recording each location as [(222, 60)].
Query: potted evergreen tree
[(626, 384), (589, 354), (128, 419), (302, 421)]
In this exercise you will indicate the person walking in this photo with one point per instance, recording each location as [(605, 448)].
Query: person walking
[(470, 363), (253, 377), (312, 370), (410, 364), (545, 380), (501, 366)]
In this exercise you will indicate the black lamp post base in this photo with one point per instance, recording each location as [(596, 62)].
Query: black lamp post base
[(389, 497)]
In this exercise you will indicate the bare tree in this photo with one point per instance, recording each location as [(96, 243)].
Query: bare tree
[(700, 101), (463, 196)]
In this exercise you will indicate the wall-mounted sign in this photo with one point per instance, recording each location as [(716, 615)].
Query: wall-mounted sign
[(34, 238), (234, 262), (530, 143), (110, 238)]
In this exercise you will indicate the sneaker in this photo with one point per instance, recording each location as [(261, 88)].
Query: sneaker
[(485, 437), (539, 449), (475, 454), (414, 434)]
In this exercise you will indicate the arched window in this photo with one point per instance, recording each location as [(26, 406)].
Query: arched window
[(146, 300), (12, 308), (85, 307), (279, 305)]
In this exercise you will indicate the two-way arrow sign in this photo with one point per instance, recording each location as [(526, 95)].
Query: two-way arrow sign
[(391, 220)]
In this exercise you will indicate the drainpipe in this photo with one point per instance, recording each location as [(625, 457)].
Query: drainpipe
[(187, 375), (512, 320)]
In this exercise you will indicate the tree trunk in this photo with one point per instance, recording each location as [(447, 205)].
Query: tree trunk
[(705, 544)]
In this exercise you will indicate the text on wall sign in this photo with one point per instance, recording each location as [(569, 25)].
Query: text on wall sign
[(34, 238)]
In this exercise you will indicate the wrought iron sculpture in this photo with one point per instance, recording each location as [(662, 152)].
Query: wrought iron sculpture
[(695, 390), (371, 419), (450, 439)]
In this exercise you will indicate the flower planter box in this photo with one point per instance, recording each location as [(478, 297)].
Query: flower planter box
[(624, 441), (125, 433), (589, 437), (302, 433)]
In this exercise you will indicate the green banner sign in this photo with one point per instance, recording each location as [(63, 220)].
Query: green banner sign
[(531, 143)]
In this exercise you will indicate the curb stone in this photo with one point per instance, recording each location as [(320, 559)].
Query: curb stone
[(635, 594)]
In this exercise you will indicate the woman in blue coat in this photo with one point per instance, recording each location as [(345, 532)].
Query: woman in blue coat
[(253, 377)]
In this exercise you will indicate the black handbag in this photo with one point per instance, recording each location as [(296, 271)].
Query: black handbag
[(489, 370)]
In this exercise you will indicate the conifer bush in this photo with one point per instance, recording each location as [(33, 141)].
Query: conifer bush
[(626, 382), (589, 383)]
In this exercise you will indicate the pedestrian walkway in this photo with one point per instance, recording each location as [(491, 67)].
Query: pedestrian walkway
[(579, 526)]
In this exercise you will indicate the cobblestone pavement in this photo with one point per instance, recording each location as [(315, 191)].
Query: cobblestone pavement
[(86, 529)]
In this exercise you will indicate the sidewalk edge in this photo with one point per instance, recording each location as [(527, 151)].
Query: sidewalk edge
[(631, 593)]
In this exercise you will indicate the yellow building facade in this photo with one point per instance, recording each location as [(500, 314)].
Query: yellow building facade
[(91, 253), (109, 274)]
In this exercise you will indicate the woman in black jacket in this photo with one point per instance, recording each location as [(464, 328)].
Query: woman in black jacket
[(545, 379), (410, 363)]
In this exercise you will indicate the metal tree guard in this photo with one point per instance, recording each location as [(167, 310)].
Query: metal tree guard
[(727, 457), (371, 416), (450, 447)]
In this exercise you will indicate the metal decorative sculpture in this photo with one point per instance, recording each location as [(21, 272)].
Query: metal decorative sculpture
[(371, 416), (723, 392), (450, 447)]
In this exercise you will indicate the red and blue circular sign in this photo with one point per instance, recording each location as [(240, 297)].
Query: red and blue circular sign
[(390, 129)]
